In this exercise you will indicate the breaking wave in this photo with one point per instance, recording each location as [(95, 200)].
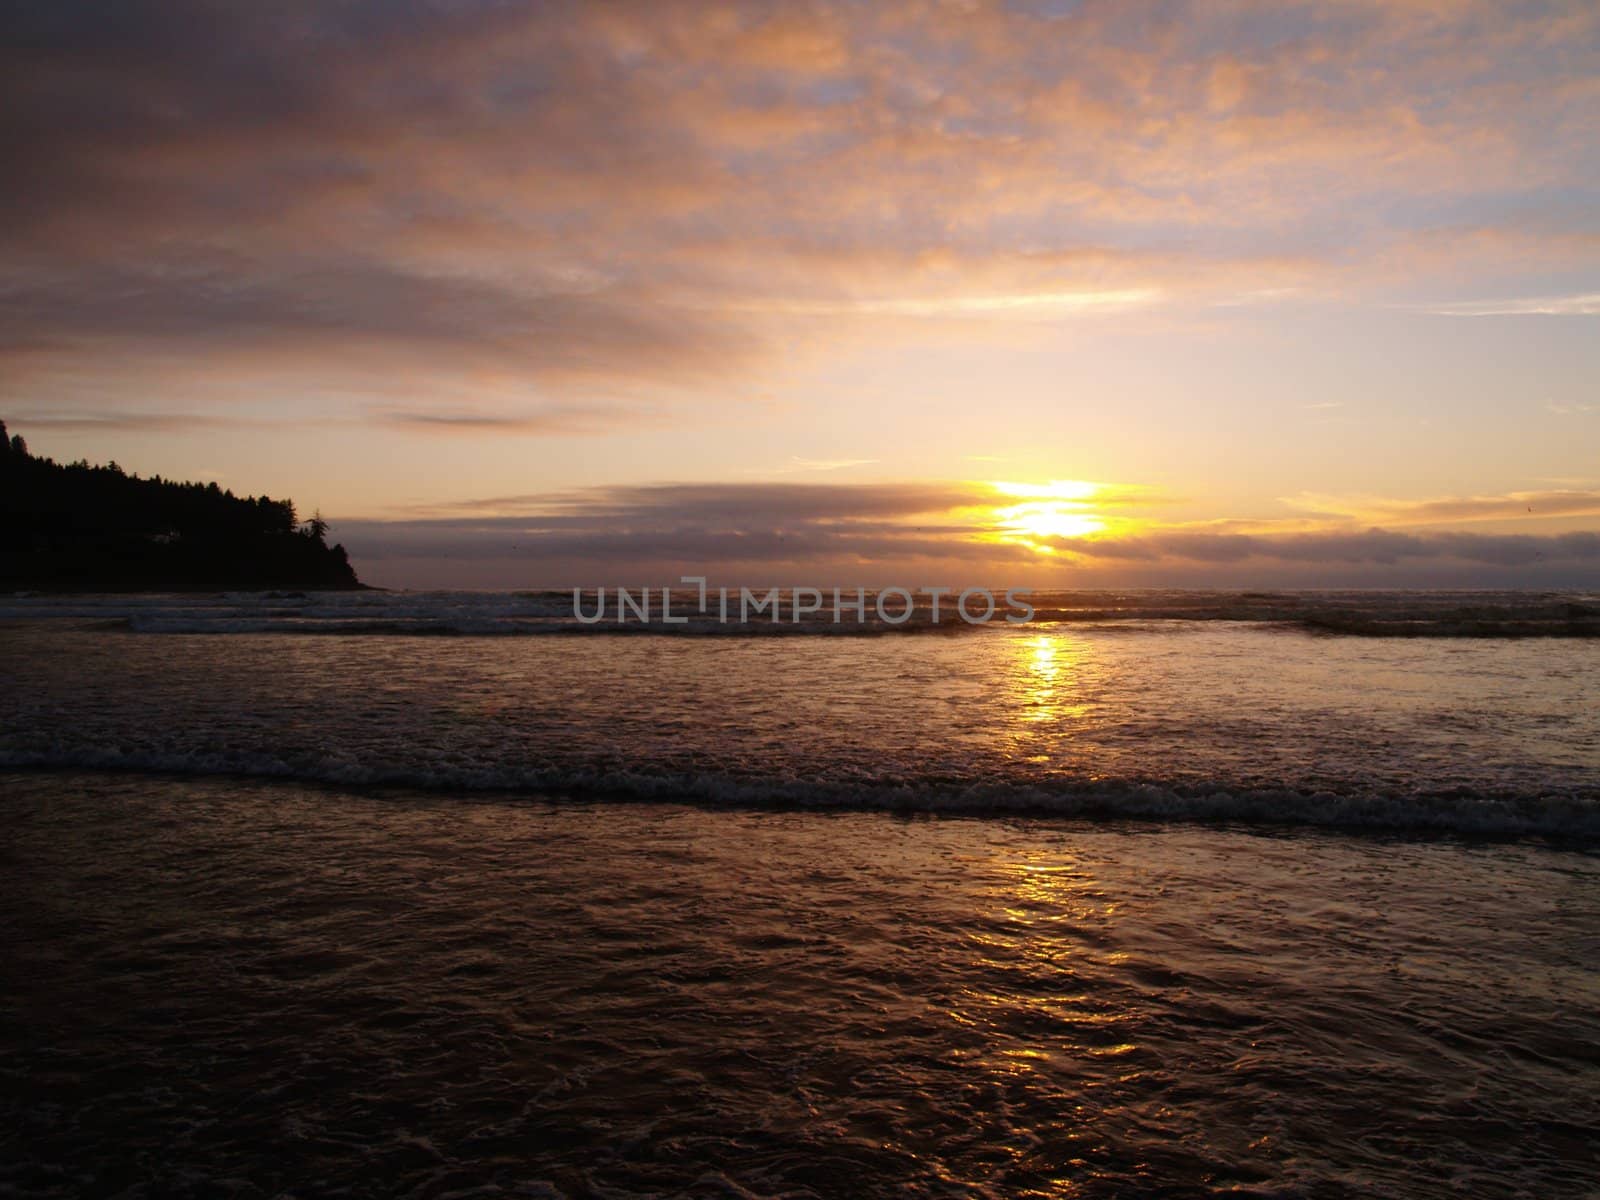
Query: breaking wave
[(501, 614), (1566, 815)]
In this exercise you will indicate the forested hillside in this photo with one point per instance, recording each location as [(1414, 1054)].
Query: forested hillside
[(78, 527)]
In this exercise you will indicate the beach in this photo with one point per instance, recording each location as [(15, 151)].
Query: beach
[(247, 988), (437, 895)]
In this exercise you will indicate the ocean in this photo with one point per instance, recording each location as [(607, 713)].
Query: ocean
[(451, 894)]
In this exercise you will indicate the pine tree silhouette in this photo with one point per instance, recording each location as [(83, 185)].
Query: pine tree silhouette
[(83, 527)]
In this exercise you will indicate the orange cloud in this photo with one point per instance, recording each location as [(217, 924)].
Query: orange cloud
[(624, 196)]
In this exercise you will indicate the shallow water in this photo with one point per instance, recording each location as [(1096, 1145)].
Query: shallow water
[(1143, 900), (1205, 718), (237, 988)]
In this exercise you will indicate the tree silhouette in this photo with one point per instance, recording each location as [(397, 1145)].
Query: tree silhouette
[(83, 527)]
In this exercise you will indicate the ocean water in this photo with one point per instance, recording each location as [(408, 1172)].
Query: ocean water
[(1142, 705), (1159, 894)]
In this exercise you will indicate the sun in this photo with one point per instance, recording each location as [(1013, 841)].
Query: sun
[(1062, 508), (1046, 520)]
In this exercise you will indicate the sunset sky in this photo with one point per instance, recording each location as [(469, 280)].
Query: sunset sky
[(1076, 294)]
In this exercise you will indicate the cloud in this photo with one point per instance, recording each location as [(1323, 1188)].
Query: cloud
[(566, 420), (1018, 302), (876, 529), (384, 316), (1584, 305), (131, 422), (796, 463), (1568, 502), (734, 504), (554, 421), (608, 199), (1371, 546)]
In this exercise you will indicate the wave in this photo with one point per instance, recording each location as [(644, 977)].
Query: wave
[(1561, 815), (522, 614)]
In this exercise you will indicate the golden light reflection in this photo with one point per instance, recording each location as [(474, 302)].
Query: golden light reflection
[(1041, 942), (1041, 957), (1044, 691)]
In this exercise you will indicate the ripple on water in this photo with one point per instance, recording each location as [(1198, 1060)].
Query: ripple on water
[(258, 989)]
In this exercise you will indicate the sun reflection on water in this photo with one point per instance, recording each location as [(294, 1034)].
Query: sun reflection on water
[(1048, 1002), (1046, 704)]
